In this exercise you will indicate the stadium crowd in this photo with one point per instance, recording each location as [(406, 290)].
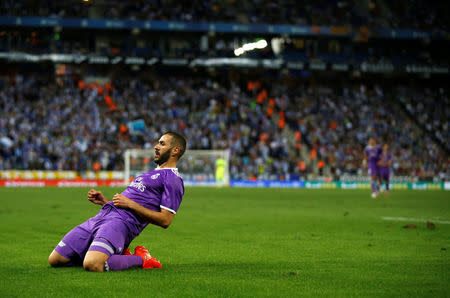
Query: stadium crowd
[(415, 14), (60, 126), (431, 109), (65, 124), (337, 122)]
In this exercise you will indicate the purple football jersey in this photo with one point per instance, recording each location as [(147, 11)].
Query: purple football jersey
[(154, 190), (373, 153), (384, 170), (384, 158)]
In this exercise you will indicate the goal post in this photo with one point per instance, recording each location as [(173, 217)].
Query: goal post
[(197, 167)]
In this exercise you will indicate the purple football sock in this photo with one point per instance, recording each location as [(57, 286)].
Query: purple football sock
[(122, 262), (372, 183)]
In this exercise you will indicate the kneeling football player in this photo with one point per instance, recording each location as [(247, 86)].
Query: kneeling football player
[(101, 243)]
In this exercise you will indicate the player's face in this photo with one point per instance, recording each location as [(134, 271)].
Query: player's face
[(372, 142), (385, 147), (163, 150)]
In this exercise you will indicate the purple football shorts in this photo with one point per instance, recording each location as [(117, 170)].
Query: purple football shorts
[(373, 170), (384, 173), (106, 232)]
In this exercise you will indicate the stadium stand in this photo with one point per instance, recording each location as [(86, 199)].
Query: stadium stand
[(309, 115), (337, 122), (430, 108), (63, 124), (417, 14)]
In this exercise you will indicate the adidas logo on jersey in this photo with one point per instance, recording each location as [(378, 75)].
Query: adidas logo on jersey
[(137, 183)]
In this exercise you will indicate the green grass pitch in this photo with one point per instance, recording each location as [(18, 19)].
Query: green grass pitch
[(240, 242)]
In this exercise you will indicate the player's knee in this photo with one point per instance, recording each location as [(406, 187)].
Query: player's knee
[(53, 261), (93, 265), (56, 260)]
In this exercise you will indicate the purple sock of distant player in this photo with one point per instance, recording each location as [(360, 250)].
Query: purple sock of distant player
[(121, 262), (372, 184), (387, 186)]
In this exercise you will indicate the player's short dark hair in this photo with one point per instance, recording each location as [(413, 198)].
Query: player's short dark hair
[(177, 140)]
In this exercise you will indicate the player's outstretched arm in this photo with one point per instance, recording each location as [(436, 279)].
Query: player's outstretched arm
[(97, 197), (163, 218)]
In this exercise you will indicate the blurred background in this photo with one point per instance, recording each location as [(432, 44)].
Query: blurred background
[(292, 89)]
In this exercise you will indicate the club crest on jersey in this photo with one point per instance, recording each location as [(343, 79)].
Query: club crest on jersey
[(155, 176), (137, 183)]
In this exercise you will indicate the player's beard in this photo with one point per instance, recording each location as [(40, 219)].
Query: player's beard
[(162, 157)]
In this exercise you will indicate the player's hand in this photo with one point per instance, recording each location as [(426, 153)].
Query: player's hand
[(96, 197), (122, 201)]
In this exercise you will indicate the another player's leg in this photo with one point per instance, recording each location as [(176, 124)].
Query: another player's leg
[(380, 185), (373, 184), (378, 180), (386, 181), (220, 177)]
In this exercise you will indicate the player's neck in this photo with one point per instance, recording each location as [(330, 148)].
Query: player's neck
[(168, 164)]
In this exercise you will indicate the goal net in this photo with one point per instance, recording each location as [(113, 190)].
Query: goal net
[(197, 167)]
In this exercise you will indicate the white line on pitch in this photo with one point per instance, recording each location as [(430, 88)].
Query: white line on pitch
[(416, 219)]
